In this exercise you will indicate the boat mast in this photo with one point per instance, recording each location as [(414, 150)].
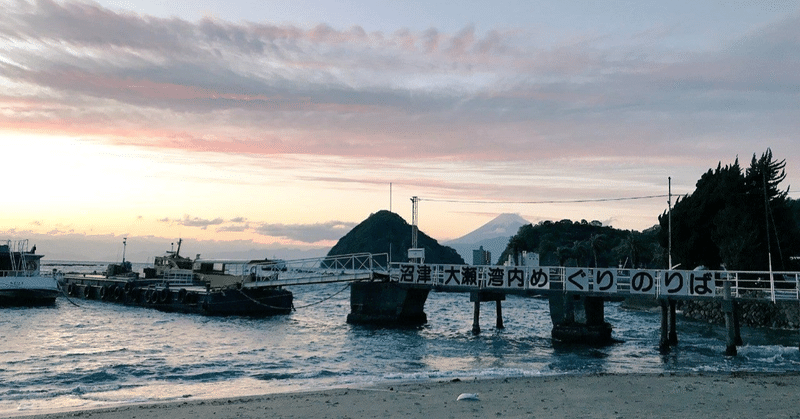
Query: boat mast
[(177, 252), (124, 245)]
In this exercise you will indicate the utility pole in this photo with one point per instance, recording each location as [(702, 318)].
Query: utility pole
[(766, 219), (414, 221), (669, 223)]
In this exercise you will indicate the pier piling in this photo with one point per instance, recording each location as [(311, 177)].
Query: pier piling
[(477, 297), (499, 324), (663, 344), (579, 319), (673, 330), (386, 304), (730, 324), (476, 316)]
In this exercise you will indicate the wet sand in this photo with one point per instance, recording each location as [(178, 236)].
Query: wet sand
[(731, 395)]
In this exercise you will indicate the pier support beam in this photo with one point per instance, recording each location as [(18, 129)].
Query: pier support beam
[(579, 319), (673, 329), (477, 297), (386, 304), (738, 337), (499, 310), (730, 323), (663, 343), (476, 318), (669, 333)]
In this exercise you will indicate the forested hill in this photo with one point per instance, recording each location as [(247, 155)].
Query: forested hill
[(379, 230), (580, 243)]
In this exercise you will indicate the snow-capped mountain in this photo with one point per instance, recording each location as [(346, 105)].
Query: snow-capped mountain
[(493, 236)]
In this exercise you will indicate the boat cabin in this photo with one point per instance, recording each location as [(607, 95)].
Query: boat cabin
[(17, 260)]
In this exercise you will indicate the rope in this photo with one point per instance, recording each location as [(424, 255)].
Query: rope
[(293, 307), (327, 298), (259, 302), (60, 288)]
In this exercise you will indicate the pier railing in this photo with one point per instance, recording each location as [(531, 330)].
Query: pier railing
[(340, 268), (609, 282)]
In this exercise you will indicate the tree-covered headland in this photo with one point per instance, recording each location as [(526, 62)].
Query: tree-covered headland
[(582, 243), (734, 219)]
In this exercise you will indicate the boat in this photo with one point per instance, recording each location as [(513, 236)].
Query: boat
[(214, 287), (21, 282)]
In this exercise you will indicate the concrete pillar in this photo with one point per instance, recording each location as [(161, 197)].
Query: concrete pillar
[(730, 324), (476, 316), (663, 344), (673, 329), (579, 319), (736, 326), (477, 297), (386, 304), (499, 315)]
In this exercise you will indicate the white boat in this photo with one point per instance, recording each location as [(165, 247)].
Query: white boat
[(21, 282)]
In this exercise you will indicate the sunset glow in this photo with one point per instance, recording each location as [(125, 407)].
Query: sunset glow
[(272, 127)]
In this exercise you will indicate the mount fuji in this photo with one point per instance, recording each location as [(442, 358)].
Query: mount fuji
[(493, 236)]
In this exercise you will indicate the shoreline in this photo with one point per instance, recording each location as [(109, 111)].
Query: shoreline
[(730, 395)]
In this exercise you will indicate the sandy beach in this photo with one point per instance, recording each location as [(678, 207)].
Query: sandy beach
[(732, 395)]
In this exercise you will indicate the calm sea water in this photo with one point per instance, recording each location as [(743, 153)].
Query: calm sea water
[(97, 354)]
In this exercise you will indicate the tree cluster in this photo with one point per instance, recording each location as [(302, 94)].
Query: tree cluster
[(590, 244), (736, 219)]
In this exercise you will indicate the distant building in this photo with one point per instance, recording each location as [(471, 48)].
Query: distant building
[(481, 257), (530, 258), (525, 259)]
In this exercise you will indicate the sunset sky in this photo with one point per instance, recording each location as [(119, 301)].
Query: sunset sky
[(244, 124)]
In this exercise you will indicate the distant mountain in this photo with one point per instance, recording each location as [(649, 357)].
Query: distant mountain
[(143, 249), (386, 231), (493, 236)]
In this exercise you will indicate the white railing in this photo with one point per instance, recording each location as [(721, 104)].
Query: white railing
[(342, 268), (678, 284), (17, 249)]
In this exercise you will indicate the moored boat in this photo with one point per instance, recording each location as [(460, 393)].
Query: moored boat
[(21, 282), (177, 283)]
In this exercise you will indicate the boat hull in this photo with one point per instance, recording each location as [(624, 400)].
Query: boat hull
[(28, 298), (30, 291), (233, 301)]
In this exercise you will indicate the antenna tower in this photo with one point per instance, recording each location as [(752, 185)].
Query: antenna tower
[(414, 228)]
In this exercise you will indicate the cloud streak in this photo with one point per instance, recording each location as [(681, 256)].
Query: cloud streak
[(307, 233), (501, 113), (298, 233), (355, 93)]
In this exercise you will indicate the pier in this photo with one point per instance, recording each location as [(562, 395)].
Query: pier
[(576, 295), (394, 294)]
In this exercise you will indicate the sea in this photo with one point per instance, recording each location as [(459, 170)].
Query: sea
[(84, 354)]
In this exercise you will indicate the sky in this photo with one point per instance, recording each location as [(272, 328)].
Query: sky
[(275, 127)]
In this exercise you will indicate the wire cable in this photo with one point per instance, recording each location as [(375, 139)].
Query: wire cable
[(568, 201)]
